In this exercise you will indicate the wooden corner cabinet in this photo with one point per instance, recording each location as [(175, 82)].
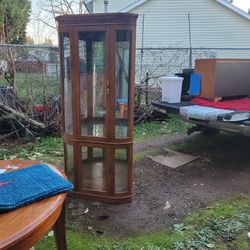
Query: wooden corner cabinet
[(97, 53)]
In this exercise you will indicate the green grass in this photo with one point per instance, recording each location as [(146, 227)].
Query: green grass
[(50, 149), (76, 240), (221, 226), (139, 156), (151, 130), (35, 88), (36, 83), (47, 149)]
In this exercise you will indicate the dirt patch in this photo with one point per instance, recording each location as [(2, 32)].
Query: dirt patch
[(160, 142), (162, 195), (12, 142)]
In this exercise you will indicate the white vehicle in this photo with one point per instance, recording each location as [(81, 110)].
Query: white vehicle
[(209, 119)]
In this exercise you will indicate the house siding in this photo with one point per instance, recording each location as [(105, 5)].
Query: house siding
[(113, 6), (212, 25), (166, 23)]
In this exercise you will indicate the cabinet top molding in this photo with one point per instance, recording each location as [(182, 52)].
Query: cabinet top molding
[(96, 19)]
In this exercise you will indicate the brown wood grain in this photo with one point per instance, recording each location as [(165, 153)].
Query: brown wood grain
[(207, 70), (23, 227), (109, 24)]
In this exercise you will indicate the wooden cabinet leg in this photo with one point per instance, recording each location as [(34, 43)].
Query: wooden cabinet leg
[(59, 230)]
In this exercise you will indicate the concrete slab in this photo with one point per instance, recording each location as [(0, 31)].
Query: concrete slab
[(172, 158)]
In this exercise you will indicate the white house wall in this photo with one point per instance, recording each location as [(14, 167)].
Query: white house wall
[(166, 23), (113, 6), (212, 25)]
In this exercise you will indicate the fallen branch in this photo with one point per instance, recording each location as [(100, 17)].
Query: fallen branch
[(9, 134), (23, 117)]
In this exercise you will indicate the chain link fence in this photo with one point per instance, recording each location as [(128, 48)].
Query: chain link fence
[(30, 75), (31, 71), (152, 63), (29, 85)]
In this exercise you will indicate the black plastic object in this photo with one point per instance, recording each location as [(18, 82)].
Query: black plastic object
[(186, 74)]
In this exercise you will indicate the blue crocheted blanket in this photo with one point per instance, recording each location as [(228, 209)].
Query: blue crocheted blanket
[(25, 186)]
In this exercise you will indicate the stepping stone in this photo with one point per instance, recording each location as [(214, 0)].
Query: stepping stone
[(172, 159)]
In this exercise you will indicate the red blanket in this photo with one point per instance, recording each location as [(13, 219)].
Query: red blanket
[(242, 104)]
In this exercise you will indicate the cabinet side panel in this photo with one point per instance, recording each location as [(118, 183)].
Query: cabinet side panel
[(207, 70)]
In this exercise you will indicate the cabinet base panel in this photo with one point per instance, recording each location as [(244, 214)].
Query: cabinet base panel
[(102, 198)]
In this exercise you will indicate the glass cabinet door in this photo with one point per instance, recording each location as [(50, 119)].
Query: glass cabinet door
[(69, 161), (122, 82), (121, 170), (67, 85), (92, 70), (94, 168)]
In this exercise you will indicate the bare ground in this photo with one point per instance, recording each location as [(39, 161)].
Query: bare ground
[(161, 196)]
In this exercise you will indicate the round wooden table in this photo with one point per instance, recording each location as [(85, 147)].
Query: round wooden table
[(21, 228)]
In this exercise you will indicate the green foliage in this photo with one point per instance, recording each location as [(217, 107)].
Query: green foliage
[(240, 242), (47, 149), (33, 88), (212, 230), (234, 208), (153, 247), (78, 241), (50, 149), (150, 130), (225, 228), (180, 228), (14, 17)]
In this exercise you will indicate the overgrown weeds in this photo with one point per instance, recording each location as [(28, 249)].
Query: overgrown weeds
[(47, 149)]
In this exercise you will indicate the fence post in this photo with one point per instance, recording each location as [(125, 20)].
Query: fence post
[(138, 96), (57, 71), (146, 89)]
